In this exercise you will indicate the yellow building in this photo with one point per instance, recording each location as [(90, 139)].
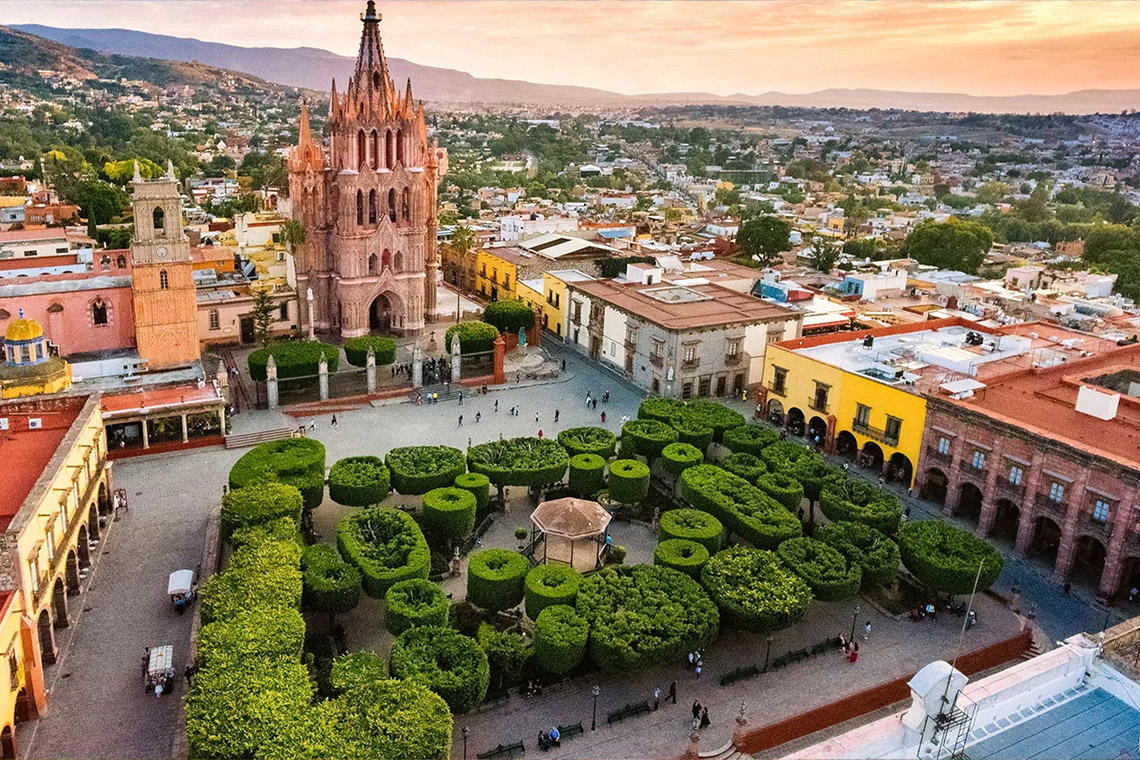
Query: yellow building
[(556, 302), (496, 273), (530, 293), (29, 367), (500, 267)]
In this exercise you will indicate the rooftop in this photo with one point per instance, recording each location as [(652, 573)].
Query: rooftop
[(149, 399)]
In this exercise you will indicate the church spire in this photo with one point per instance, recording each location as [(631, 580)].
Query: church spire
[(305, 135), (371, 55)]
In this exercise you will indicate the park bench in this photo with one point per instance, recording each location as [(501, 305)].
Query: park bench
[(800, 654), (630, 710), (569, 732), (503, 752), (821, 647), (740, 674)]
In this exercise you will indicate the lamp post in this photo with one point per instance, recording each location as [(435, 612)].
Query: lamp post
[(767, 653), (309, 300), (594, 720), (854, 617), (465, 731)]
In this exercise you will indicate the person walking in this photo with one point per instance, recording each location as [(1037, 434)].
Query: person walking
[(563, 365), (312, 423), (692, 659), (699, 669), (867, 630), (672, 693), (656, 697), (556, 415), (334, 420), (460, 420), (603, 418), (696, 710), (854, 652), (705, 722), (587, 399), (496, 405), (540, 433), (478, 416), (461, 398), (1066, 588), (536, 417)]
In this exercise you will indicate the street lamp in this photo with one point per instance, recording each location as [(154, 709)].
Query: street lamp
[(466, 731), (594, 720), (767, 653), (854, 616)]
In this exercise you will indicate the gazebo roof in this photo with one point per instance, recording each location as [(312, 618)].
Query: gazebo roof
[(571, 518)]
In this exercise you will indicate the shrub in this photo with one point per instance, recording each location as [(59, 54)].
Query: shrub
[(549, 585), (495, 579), (519, 462), (749, 439), (742, 507), (858, 501), (293, 359), (814, 473), (357, 669), (693, 525), (449, 512), (263, 575), (478, 484), (258, 504), (386, 546), (660, 409), (508, 316), (649, 437), (711, 414), (418, 469), (692, 431), (643, 615), (281, 529), (298, 462), (560, 636), (359, 481), (259, 633), (678, 457), (783, 488), (383, 347), (507, 653), (616, 555), (747, 466), (782, 456), (754, 591), (588, 440), (474, 337), (829, 574), (875, 553), (587, 474), (629, 481), (681, 554), (946, 558), (445, 661), (329, 584), (415, 602)]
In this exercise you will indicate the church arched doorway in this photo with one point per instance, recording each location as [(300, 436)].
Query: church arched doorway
[(384, 314)]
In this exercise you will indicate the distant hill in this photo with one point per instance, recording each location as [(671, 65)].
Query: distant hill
[(315, 68)]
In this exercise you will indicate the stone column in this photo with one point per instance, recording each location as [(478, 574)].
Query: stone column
[(323, 371), (741, 729), (500, 357), (456, 360), (1029, 508), (223, 378), (954, 472), (185, 432), (146, 434), (222, 420), (1075, 498), (370, 369), (271, 383), (1113, 561), (994, 467), (418, 367)]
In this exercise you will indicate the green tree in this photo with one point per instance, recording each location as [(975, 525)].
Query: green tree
[(953, 244), (823, 255), (991, 192), (763, 239), (292, 235), (122, 172), (264, 313), (99, 202)]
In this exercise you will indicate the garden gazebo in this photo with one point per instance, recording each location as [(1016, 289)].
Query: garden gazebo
[(567, 522)]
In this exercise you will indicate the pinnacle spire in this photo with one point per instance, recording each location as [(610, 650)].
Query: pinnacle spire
[(371, 53), (170, 169), (304, 136), (138, 174)]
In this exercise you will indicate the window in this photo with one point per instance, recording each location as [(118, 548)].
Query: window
[(577, 311), (359, 208), (690, 354), (121, 262), (779, 380), (893, 428), (733, 347), (1100, 511), (819, 400), (506, 281), (215, 321), (284, 313), (944, 445), (158, 217), (979, 460), (49, 538), (658, 348), (391, 201), (372, 207), (613, 348), (163, 280), (34, 572), (545, 320), (1056, 492), (64, 249), (862, 415), (99, 312), (1015, 475)]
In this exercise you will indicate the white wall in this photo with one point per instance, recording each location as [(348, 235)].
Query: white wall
[(613, 336)]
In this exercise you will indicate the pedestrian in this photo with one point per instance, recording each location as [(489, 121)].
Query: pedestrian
[(692, 659), (461, 420), (603, 418), (699, 669), (478, 416), (656, 697), (705, 722), (496, 405), (334, 420), (536, 417), (606, 397), (1133, 593), (842, 643), (672, 693), (540, 432), (587, 399), (563, 365), (461, 398), (312, 423), (624, 419), (556, 415), (867, 630), (1066, 588), (189, 673), (854, 652), (696, 709), (469, 442)]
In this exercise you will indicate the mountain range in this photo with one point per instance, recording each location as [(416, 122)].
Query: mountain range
[(314, 68)]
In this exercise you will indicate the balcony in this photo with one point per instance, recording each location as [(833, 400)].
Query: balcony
[(731, 360), (1007, 490), (877, 434), (1047, 506), (1087, 524), (657, 361), (691, 363), (933, 454), (966, 466), (813, 403)]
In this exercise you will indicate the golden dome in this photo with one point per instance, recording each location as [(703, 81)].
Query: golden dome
[(23, 330)]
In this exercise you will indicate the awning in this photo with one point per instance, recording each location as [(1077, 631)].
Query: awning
[(961, 386)]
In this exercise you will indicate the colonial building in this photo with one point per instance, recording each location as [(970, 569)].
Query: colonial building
[(367, 201)]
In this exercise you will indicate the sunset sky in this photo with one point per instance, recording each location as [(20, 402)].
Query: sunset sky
[(631, 46)]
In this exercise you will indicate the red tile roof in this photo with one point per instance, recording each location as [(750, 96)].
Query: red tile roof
[(135, 401)]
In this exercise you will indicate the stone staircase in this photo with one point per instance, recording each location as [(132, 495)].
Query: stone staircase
[(243, 440)]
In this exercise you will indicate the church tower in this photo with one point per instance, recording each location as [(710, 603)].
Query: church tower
[(166, 312), (367, 200)]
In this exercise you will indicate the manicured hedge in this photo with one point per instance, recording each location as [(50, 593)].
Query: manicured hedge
[(356, 350), (678, 457), (519, 461), (418, 469), (588, 440), (754, 591), (478, 484), (587, 474), (281, 529), (749, 439), (495, 579), (508, 316), (629, 481), (293, 358), (748, 466), (643, 615), (357, 669), (946, 558), (783, 488), (742, 507), (258, 633), (261, 503), (859, 501), (649, 437), (474, 337), (449, 512), (260, 575), (681, 554), (861, 544), (298, 462), (711, 414), (386, 545), (782, 456), (692, 431), (660, 409), (829, 574), (445, 661), (329, 584), (693, 525), (814, 473), (359, 481), (548, 585), (415, 602), (560, 636)]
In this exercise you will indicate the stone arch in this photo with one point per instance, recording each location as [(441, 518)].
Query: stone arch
[(776, 412), (899, 468), (7, 743), (72, 572), (359, 208), (400, 147), (120, 261), (406, 204), (83, 546), (846, 445), (47, 637), (392, 205), (375, 150), (817, 428), (795, 421), (59, 604), (372, 206), (384, 312), (100, 312), (873, 455), (1089, 554), (390, 153), (1046, 540), (1129, 576), (386, 260), (398, 262), (25, 708), (935, 485), (969, 502), (373, 264), (361, 149), (104, 498), (1007, 519), (158, 219)]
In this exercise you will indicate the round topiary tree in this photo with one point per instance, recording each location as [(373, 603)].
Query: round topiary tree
[(681, 554), (329, 584), (754, 591), (386, 545), (829, 574), (383, 347), (861, 544), (449, 512), (855, 500), (474, 337), (692, 525), (749, 439), (478, 484), (415, 602), (629, 481), (742, 507), (268, 633), (445, 661), (560, 636), (783, 488), (548, 585), (258, 504), (643, 615), (293, 359), (711, 414), (748, 466), (418, 469), (519, 462), (678, 457), (588, 440), (587, 474), (692, 431), (649, 437), (359, 481), (299, 462), (509, 316), (495, 579), (946, 558), (357, 669), (660, 409)]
